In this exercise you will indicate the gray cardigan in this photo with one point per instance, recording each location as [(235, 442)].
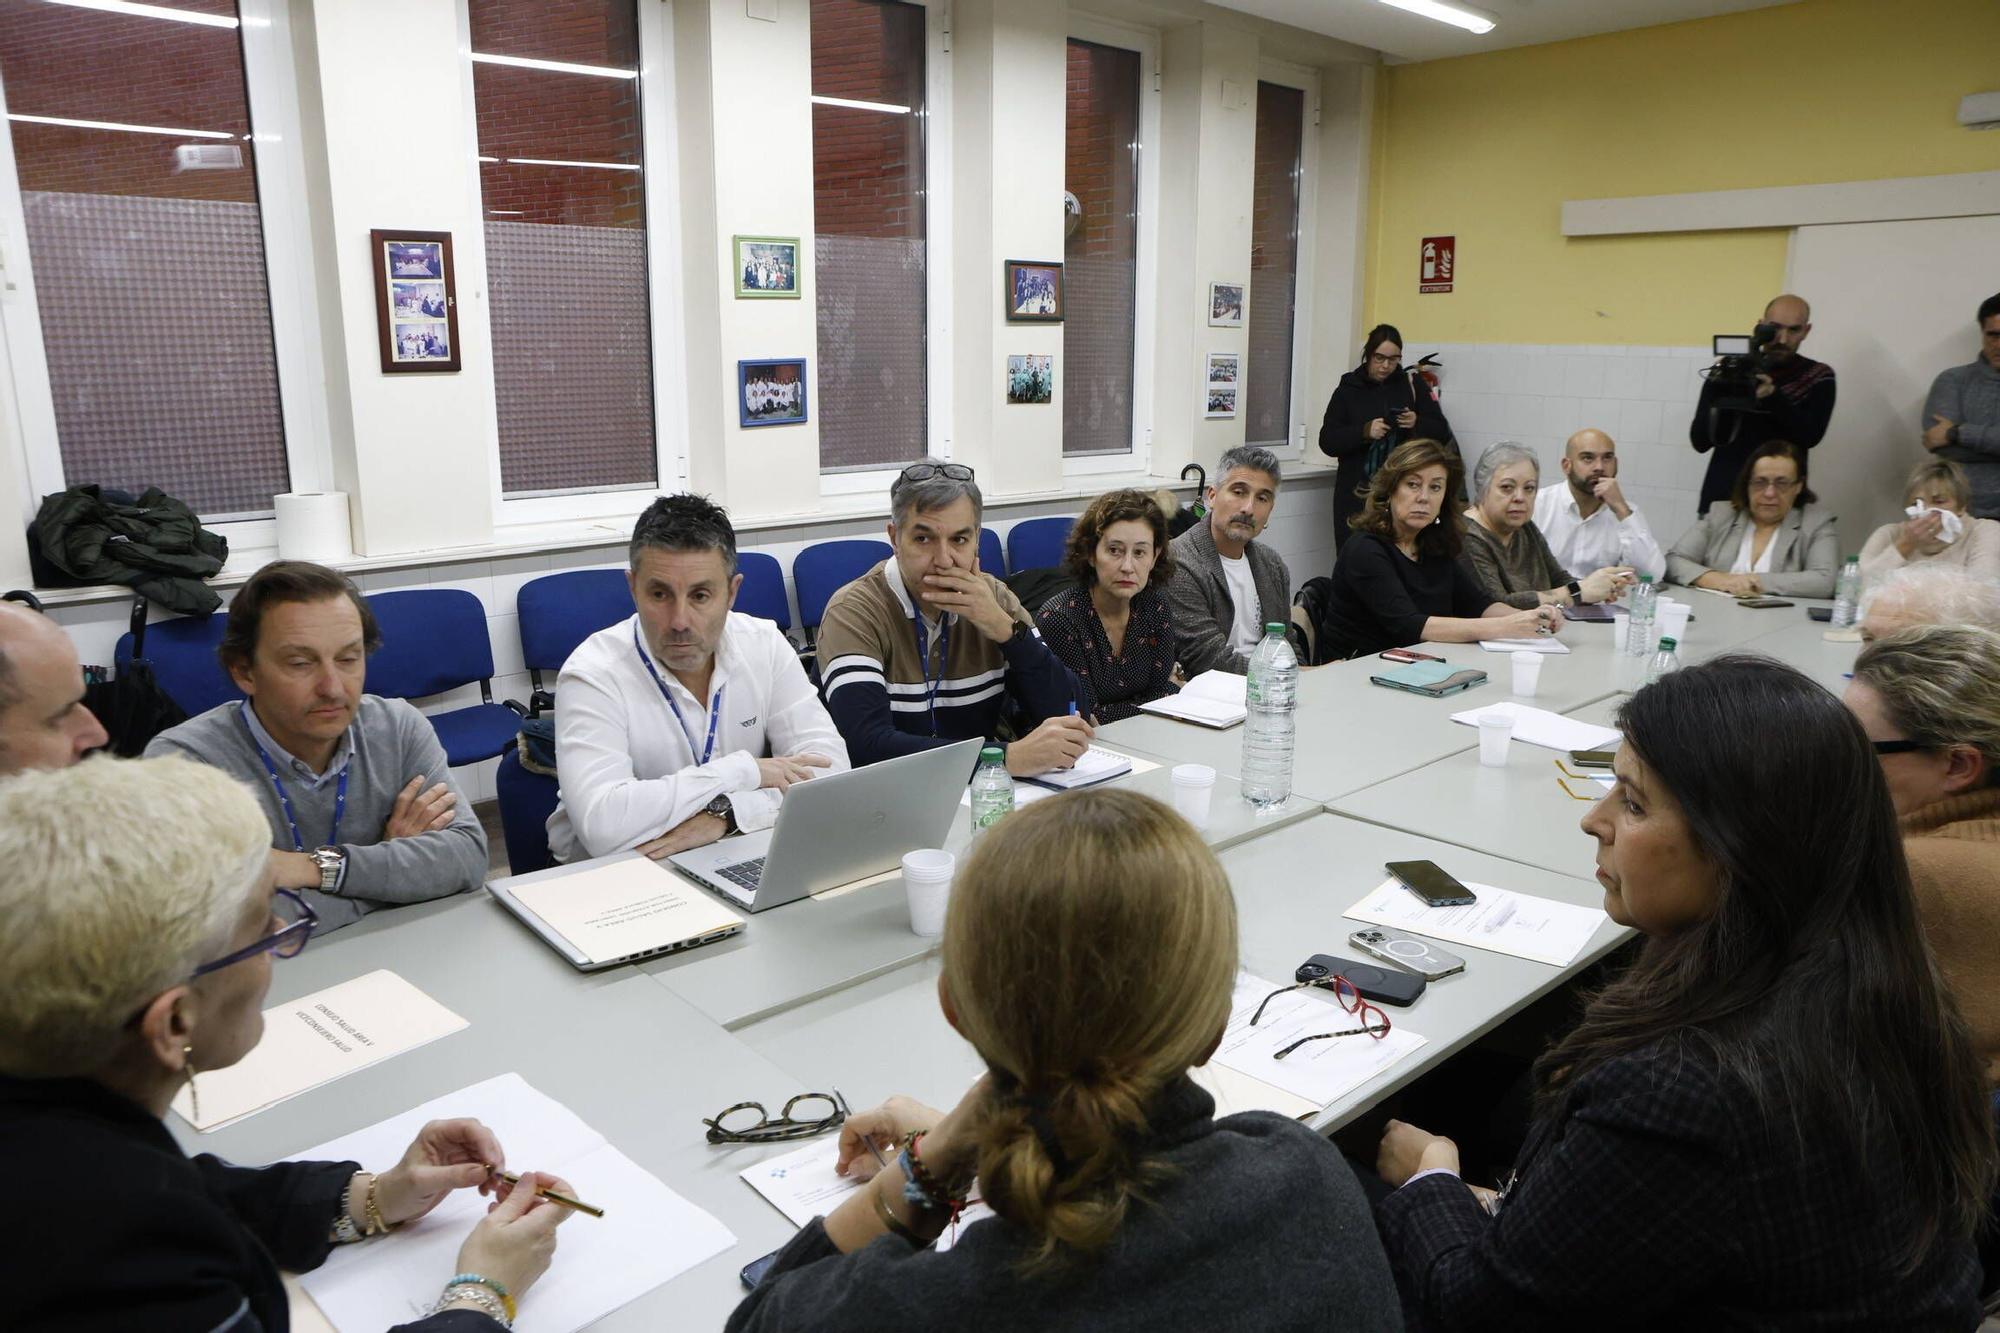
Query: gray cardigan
[(1516, 573), (1804, 564), (1198, 596), (1970, 396)]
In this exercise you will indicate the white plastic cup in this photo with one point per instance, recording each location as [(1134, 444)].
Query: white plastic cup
[(1527, 672), (1673, 617), (1494, 733), (1621, 630), (927, 875), (1194, 789)]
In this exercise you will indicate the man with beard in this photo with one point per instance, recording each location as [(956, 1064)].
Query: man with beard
[(1794, 401), (1589, 524), (1226, 587)]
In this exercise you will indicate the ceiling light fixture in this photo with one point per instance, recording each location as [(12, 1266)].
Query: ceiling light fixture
[(554, 66), (559, 162), (150, 12), (115, 125), (853, 104), (1458, 16)]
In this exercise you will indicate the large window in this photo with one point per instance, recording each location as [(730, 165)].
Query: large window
[(556, 91), (870, 229), (1101, 254), (1276, 209), (148, 345)]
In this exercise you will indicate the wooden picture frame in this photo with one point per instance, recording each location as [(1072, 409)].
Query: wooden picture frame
[(416, 301), (1032, 291)]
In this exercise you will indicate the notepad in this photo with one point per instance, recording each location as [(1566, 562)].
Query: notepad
[(1320, 1072), (1095, 765), (316, 1039), (1538, 726), (1538, 644), (625, 908), (1212, 699), (648, 1234), (1502, 921)]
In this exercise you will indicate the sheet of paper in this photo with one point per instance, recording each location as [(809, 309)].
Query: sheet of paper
[(1538, 726), (1534, 645), (625, 907), (648, 1234), (1540, 929), (1235, 1092), (1320, 1072), (316, 1039), (803, 1184)]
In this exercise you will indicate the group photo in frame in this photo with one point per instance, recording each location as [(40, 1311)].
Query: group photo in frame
[(1223, 373), (1031, 378), (416, 304), (767, 268), (1225, 305), (1033, 291), (771, 392)]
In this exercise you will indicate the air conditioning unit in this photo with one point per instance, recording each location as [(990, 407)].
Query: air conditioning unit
[(1980, 111), (207, 157)]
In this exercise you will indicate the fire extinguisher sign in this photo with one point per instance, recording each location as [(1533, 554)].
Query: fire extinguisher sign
[(1438, 258)]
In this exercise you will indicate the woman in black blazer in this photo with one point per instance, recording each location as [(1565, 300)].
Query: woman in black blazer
[(1375, 407), (137, 951), (1774, 1118)]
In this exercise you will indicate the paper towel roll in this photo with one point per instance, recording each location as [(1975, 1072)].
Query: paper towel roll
[(313, 526)]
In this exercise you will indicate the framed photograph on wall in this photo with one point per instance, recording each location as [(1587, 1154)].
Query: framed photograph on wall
[(416, 301), (1225, 305), (1034, 291), (771, 393), (1031, 379), (767, 268)]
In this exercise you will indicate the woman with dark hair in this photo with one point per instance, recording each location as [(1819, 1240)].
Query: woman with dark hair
[(1374, 408), (1114, 631), (1774, 1118), (1400, 580), (1767, 540)]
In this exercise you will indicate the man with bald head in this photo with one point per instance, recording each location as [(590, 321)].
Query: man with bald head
[(43, 721), (1588, 523), (1794, 401)]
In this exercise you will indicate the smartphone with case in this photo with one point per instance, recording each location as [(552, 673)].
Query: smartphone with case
[(1591, 758), (1433, 680), (754, 1271), (1763, 603), (1429, 881), (1820, 612), (1403, 949), (1383, 985)]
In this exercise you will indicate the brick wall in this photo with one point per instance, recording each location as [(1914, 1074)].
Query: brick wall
[(1274, 256), (1100, 258)]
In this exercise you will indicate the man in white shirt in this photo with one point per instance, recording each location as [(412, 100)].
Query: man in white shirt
[(1589, 524), (688, 721)]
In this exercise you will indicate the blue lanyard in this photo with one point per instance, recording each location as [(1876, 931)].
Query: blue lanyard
[(285, 797), (924, 656), (714, 712)]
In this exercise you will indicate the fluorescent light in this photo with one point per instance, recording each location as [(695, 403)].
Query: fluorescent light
[(558, 162), (1458, 16), (554, 66), (889, 108), (150, 12), (167, 130), (488, 159)]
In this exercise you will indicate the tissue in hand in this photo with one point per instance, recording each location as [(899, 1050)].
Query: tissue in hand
[(1953, 524)]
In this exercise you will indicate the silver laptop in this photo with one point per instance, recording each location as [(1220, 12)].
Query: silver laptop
[(835, 829)]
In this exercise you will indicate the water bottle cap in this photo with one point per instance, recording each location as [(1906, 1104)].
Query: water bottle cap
[(1274, 627), (1668, 642), (1645, 578), (992, 753), (1853, 559)]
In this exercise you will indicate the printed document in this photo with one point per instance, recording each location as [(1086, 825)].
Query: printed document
[(1212, 699), (1320, 1072), (1537, 644), (626, 907), (1540, 929), (803, 1184), (1551, 731), (316, 1039)]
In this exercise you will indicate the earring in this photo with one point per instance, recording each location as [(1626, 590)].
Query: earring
[(194, 1094)]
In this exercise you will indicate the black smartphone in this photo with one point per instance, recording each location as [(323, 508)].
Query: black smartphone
[(1429, 882), (1763, 603), (753, 1272), (1384, 985), (1820, 612), (1590, 758)]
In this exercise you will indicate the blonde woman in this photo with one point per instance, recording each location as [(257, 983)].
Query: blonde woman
[(1089, 956), (1944, 488)]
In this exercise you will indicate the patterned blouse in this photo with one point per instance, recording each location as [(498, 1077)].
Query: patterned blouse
[(1113, 685)]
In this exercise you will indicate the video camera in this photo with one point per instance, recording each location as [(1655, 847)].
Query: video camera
[(1742, 361)]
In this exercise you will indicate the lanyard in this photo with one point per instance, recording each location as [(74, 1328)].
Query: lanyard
[(285, 797), (924, 656), (714, 712)]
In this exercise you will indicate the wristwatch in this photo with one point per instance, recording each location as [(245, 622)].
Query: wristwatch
[(1576, 592), (724, 811), (332, 863)]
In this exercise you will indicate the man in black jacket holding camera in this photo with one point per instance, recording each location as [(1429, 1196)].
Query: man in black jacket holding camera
[(1792, 400)]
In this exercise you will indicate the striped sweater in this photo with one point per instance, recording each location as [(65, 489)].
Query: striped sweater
[(872, 673)]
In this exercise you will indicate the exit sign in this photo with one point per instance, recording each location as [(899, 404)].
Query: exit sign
[(1435, 263)]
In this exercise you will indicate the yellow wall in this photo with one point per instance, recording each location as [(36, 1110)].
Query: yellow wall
[(1488, 147)]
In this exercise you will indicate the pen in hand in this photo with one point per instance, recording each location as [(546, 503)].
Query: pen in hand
[(575, 1205)]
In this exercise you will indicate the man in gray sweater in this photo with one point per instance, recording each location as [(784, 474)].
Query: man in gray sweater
[(362, 807), (1962, 415)]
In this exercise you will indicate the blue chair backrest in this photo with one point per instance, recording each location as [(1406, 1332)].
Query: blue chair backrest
[(433, 640), (824, 568), (990, 559), (560, 611), (1037, 543), (763, 591), (182, 651), (526, 802)]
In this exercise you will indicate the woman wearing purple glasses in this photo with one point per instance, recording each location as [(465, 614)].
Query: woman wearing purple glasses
[(141, 925)]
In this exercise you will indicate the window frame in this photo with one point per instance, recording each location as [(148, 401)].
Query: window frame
[(1307, 81), (1145, 41)]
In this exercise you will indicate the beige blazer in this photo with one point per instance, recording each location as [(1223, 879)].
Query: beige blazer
[(1805, 557)]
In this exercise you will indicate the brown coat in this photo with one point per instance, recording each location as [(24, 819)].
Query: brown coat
[(1954, 851)]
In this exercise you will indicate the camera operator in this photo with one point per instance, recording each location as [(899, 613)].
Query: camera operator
[(1962, 415), (1792, 399)]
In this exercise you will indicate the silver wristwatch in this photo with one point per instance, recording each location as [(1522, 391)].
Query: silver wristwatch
[(331, 862)]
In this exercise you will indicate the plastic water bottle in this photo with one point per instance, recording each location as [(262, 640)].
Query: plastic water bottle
[(992, 789), (1270, 693), (1847, 594), (1663, 661), (1639, 629)]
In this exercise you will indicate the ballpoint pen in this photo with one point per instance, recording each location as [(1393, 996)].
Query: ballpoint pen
[(576, 1205)]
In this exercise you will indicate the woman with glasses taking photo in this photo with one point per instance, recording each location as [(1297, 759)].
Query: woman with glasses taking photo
[(1767, 540), (137, 953), (1773, 1119), (1089, 957), (1375, 407)]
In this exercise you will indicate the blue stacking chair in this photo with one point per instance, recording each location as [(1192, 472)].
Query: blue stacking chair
[(824, 568), (526, 802), (433, 640), (1037, 543), (182, 651), (559, 611), (763, 591), (990, 560)]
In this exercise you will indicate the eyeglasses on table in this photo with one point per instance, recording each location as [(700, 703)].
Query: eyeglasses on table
[(1374, 1023), (1571, 792), (749, 1122)]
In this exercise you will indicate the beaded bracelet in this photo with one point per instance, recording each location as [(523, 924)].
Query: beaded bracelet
[(920, 1187), (479, 1280), (462, 1294)]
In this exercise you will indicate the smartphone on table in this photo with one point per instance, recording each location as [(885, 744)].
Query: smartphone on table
[(754, 1271), (1407, 655), (1412, 952), (1763, 603), (1383, 985), (1820, 612), (1591, 759), (1430, 882)]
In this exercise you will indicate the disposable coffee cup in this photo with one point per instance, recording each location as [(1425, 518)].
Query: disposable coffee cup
[(927, 876), (1673, 619), (1621, 629), (1194, 789), (1494, 733), (1527, 672)]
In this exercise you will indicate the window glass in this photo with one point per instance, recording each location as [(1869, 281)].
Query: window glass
[(1274, 264), (1101, 254)]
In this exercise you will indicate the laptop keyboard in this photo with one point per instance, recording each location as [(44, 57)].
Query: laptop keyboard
[(744, 873)]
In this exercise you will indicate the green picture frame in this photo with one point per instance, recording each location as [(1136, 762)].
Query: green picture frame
[(767, 268)]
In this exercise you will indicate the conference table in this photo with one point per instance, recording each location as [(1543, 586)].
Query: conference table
[(836, 992)]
